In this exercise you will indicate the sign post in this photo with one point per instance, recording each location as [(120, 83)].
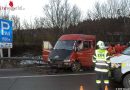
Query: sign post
[(6, 35)]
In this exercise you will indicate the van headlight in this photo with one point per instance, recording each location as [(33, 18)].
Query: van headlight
[(115, 65), (66, 60), (49, 60)]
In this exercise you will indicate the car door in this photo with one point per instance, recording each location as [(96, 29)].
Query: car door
[(86, 53)]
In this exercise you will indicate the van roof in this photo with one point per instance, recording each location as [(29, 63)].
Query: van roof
[(77, 37)]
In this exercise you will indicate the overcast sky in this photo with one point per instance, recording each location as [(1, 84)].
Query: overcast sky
[(33, 8)]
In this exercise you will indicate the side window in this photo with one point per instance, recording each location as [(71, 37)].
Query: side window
[(94, 44), (87, 44), (80, 45)]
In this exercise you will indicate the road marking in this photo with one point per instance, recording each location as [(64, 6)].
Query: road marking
[(36, 76)]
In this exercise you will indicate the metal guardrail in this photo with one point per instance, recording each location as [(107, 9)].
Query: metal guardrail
[(33, 60), (23, 61), (21, 58)]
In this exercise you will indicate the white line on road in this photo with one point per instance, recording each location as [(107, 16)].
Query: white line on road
[(36, 76)]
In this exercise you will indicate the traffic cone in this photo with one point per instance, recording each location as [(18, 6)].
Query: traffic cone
[(81, 87), (106, 87)]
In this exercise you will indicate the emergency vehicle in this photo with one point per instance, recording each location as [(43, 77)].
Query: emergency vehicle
[(121, 67), (70, 51)]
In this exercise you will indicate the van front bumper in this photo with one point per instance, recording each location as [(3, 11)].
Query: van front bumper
[(60, 64)]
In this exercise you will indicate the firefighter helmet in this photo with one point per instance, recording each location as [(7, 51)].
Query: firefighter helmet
[(101, 44)]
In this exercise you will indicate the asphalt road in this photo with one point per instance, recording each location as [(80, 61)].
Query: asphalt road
[(18, 79)]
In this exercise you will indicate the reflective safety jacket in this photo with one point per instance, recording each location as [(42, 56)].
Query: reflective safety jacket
[(101, 60)]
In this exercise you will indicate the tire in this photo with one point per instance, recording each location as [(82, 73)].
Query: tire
[(76, 66), (126, 81)]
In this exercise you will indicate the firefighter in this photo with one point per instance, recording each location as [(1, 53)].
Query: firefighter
[(101, 60)]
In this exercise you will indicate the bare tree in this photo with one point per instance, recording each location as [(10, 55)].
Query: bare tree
[(89, 14), (66, 14), (39, 22), (31, 25), (16, 22), (42, 22), (59, 14), (36, 23), (75, 15), (111, 9), (124, 7), (105, 11), (118, 8), (53, 13), (4, 14), (98, 11), (26, 25)]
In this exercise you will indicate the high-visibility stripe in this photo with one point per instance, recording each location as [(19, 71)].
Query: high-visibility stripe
[(102, 64), (98, 81), (106, 81), (108, 61), (101, 70), (101, 59), (108, 57), (94, 61), (123, 65), (94, 56), (47, 50)]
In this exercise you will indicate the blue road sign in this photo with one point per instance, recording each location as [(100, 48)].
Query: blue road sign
[(6, 33)]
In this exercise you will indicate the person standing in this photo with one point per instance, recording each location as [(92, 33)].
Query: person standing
[(102, 63)]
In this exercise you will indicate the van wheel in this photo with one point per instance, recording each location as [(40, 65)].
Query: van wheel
[(76, 66), (126, 81)]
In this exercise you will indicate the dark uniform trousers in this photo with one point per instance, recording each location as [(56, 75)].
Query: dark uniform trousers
[(101, 77)]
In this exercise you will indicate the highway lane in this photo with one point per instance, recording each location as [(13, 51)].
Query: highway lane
[(24, 80)]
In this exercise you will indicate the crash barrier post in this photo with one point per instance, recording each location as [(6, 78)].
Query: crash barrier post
[(81, 87), (106, 87)]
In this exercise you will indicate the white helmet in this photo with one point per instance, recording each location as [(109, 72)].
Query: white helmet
[(101, 44)]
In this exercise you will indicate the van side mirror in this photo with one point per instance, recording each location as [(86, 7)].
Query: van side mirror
[(47, 45), (75, 48)]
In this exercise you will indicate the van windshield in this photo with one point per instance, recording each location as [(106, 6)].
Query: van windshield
[(64, 44), (127, 51)]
